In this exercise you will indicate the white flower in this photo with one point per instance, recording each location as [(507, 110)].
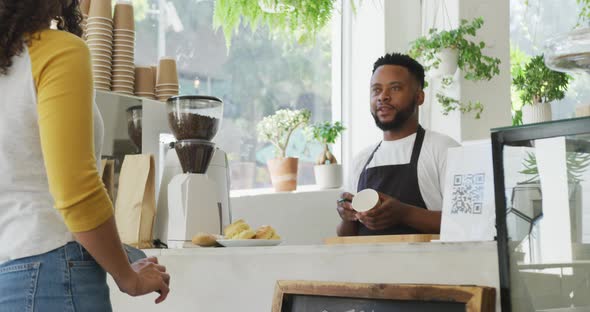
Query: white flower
[(277, 128)]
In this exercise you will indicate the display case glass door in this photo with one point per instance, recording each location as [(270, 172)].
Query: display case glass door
[(542, 184)]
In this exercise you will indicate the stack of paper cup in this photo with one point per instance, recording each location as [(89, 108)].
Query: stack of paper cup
[(124, 48), (144, 82), (155, 74), (100, 42), (84, 8), (167, 79)]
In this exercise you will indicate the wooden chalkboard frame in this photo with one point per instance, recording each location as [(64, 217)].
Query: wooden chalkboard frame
[(475, 298)]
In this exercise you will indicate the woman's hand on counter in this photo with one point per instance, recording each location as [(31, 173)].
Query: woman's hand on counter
[(150, 277)]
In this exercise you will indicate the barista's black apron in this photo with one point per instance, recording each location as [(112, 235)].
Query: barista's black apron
[(399, 181)]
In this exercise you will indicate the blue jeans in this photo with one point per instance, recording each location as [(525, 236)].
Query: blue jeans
[(66, 279)]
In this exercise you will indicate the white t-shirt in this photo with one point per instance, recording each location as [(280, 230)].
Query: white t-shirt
[(431, 163), (30, 223)]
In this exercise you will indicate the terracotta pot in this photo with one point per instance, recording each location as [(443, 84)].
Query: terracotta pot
[(283, 173)]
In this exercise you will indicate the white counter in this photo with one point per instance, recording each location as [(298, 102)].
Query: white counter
[(243, 279)]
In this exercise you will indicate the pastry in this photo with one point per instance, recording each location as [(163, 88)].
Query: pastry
[(241, 230), (267, 232), (264, 232), (204, 240), (247, 234), (235, 228)]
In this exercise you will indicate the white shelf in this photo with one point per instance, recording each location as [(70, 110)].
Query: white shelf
[(113, 108), (124, 97)]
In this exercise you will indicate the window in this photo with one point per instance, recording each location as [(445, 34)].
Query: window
[(255, 78), (532, 23)]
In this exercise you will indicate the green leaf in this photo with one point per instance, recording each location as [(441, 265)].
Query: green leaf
[(300, 21), (537, 83), (576, 163)]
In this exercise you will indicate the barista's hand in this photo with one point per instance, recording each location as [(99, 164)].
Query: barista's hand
[(387, 213), (345, 208), (150, 277)]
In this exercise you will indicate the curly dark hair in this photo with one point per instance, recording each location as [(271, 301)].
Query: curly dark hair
[(415, 68), (21, 18)]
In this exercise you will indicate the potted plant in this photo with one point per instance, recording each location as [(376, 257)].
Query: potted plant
[(277, 129), (538, 86), (327, 171), (294, 19), (576, 163), (442, 52)]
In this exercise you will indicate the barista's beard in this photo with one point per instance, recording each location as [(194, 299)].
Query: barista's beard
[(398, 121)]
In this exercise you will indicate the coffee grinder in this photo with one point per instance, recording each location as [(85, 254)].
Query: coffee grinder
[(198, 199)]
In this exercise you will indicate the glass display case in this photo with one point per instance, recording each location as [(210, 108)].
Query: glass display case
[(542, 193)]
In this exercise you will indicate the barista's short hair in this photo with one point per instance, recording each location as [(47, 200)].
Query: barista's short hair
[(415, 68)]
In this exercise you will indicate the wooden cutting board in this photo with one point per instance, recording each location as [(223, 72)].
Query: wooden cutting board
[(377, 239)]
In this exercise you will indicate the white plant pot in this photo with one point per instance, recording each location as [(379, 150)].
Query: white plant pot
[(539, 112), (328, 176), (448, 63)]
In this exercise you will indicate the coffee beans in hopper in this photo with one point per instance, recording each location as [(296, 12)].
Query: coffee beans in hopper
[(192, 126), (194, 155)]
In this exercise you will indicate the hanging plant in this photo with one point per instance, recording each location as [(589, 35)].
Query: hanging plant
[(474, 65), (450, 104), (300, 20)]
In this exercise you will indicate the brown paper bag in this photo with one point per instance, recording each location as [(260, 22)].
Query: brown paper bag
[(107, 173), (135, 209)]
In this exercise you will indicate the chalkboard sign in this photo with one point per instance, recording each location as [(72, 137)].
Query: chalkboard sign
[(310, 296)]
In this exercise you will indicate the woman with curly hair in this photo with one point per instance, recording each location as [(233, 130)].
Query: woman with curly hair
[(57, 229)]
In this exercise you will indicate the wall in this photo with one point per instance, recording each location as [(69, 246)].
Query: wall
[(495, 94), (363, 36), (402, 24), (304, 217)]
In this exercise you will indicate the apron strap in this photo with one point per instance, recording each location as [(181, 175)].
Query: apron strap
[(371, 157), (417, 145)]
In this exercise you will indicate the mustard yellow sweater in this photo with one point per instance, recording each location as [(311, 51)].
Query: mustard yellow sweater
[(62, 75)]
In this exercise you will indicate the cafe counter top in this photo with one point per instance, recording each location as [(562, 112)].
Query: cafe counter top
[(244, 278)]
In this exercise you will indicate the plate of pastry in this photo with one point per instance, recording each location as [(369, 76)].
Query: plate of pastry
[(248, 242), (240, 234)]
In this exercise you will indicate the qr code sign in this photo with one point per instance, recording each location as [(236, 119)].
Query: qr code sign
[(467, 196)]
